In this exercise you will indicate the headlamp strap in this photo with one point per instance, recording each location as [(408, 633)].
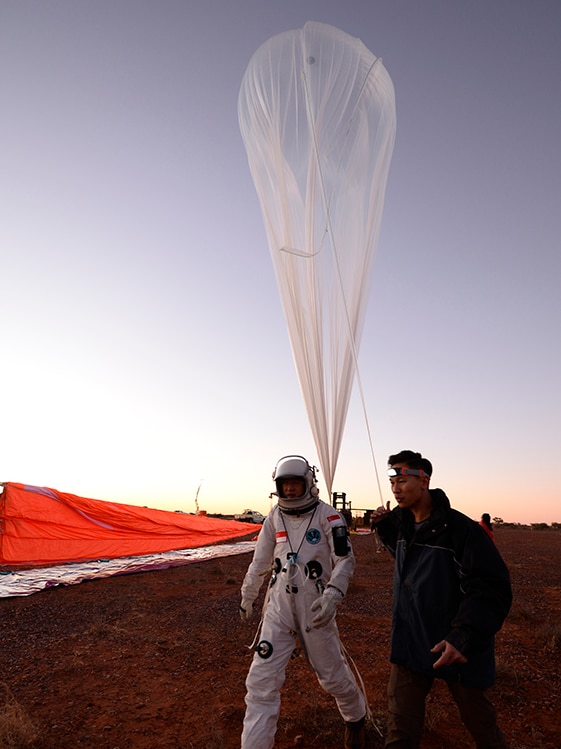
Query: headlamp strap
[(406, 472)]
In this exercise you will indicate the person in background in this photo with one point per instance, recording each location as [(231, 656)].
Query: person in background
[(452, 593), (377, 540), (487, 526), (305, 543), (347, 514)]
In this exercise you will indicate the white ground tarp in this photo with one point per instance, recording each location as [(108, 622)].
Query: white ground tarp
[(26, 582)]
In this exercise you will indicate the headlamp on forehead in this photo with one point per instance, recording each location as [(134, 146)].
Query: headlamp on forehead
[(407, 472)]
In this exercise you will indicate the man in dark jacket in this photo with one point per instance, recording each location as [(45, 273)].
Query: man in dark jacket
[(451, 595)]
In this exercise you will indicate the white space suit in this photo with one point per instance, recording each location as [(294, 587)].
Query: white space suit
[(310, 558)]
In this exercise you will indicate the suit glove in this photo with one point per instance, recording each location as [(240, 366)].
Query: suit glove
[(246, 609), (326, 606)]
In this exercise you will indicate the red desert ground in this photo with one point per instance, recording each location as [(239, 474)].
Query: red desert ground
[(159, 658)]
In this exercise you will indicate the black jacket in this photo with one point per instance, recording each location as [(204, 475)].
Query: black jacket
[(450, 583)]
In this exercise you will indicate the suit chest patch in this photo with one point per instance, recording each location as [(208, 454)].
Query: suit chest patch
[(313, 536)]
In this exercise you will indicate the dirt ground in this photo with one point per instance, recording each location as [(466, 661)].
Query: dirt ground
[(158, 659)]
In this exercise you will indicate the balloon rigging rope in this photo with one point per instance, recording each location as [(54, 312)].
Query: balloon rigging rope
[(338, 269)]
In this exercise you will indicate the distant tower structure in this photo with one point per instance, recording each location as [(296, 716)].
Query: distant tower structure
[(340, 503), (340, 500)]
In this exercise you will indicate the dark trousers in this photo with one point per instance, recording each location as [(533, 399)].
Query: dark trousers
[(407, 692)]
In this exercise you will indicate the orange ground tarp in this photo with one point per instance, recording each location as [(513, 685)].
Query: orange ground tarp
[(45, 526)]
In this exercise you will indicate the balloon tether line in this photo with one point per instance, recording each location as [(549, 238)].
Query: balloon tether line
[(337, 265)]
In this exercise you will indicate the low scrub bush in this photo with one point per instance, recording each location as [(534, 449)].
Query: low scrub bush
[(16, 728)]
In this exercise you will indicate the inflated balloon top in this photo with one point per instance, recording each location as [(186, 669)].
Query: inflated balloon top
[(317, 116)]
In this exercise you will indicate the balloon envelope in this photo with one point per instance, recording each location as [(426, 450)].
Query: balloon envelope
[(317, 116)]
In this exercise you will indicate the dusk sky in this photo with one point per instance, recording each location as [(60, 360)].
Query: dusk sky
[(144, 352)]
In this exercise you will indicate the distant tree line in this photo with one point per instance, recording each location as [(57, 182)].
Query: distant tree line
[(534, 526)]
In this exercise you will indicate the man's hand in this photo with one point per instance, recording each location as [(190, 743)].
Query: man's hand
[(246, 609), (380, 513), (450, 654), (326, 604)]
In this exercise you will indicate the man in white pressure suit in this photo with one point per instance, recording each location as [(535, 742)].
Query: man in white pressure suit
[(304, 543)]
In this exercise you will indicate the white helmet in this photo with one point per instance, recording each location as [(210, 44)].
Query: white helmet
[(295, 466)]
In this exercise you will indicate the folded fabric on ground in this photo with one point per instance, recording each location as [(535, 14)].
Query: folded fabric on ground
[(26, 582), (41, 526)]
